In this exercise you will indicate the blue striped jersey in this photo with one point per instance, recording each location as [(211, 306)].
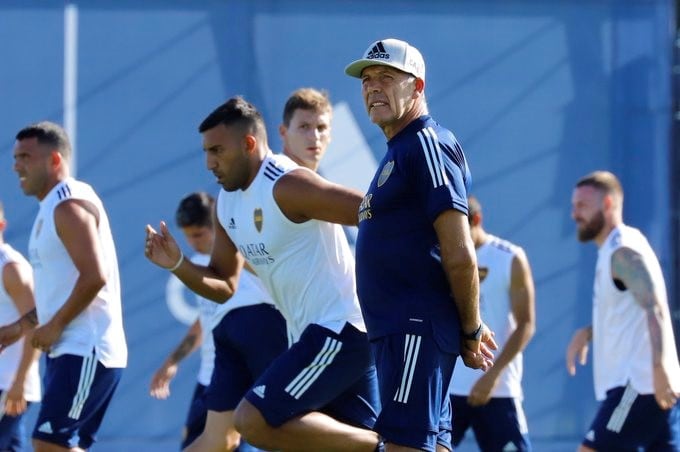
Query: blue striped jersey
[(400, 281)]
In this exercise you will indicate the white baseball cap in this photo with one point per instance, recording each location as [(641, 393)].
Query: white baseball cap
[(390, 52)]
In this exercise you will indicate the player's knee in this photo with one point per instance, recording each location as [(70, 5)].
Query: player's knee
[(250, 424)]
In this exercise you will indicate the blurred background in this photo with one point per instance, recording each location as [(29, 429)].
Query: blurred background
[(538, 93)]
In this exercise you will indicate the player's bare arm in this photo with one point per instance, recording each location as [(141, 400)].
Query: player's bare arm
[(76, 224), (303, 195), (217, 281), (629, 269), (19, 286), (160, 383), (18, 282), (522, 300), (459, 262)]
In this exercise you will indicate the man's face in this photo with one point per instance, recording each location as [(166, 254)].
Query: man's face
[(388, 94), (32, 163), (307, 136), (200, 238), (587, 211), (226, 156)]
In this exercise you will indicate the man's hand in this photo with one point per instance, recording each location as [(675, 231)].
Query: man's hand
[(578, 347), (15, 403), (161, 247), (160, 383), (480, 394), (478, 354), (44, 337), (663, 393)]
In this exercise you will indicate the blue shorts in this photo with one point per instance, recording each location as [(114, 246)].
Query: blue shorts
[(627, 421), (323, 371), (198, 412), (77, 392), (12, 431), (247, 340), (498, 425), (414, 376)]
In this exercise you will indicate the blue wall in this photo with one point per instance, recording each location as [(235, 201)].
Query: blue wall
[(538, 95)]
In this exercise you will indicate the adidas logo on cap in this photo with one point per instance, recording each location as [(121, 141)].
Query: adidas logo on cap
[(390, 52), (378, 51)]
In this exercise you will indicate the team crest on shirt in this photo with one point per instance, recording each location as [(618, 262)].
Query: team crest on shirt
[(483, 273), (257, 218), (385, 173)]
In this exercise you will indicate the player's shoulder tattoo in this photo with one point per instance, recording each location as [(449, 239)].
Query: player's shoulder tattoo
[(629, 268)]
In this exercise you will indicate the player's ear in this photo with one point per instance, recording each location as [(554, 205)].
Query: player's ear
[(420, 85), (56, 159), (250, 142)]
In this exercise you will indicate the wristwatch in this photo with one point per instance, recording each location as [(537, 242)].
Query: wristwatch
[(476, 335)]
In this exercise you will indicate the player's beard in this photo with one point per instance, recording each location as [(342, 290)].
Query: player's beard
[(592, 228)]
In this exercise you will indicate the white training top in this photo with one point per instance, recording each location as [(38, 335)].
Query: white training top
[(11, 356), (100, 325), (250, 292), (622, 352), (307, 267), (494, 259)]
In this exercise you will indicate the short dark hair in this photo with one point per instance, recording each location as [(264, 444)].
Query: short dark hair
[(306, 99), (195, 209), (603, 181), (50, 134), (235, 111)]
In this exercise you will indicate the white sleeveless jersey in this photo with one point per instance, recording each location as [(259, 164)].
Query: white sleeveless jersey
[(622, 352), (494, 259), (11, 356), (100, 325), (250, 292), (307, 267)]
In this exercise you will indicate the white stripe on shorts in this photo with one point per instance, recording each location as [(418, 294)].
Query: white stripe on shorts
[(87, 372), (411, 349), (310, 374), (620, 413)]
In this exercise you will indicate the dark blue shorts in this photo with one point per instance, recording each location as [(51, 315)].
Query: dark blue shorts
[(198, 412), (13, 434), (77, 392), (414, 376), (323, 371), (247, 340), (498, 425), (627, 421)]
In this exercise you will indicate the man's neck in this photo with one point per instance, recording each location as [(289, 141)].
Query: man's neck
[(392, 129)]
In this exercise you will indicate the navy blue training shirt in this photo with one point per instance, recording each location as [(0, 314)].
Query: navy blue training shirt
[(400, 281)]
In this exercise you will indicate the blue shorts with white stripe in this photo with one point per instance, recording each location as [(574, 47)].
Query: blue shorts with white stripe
[(627, 420), (323, 371), (77, 392), (414, 375)]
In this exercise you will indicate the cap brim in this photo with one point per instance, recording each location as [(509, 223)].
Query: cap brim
[(354, 69)]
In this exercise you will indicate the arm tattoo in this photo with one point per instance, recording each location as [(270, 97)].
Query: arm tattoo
[(31, 318), (630, 269), (184, 348)]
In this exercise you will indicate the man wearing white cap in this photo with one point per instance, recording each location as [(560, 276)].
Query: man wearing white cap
[(416, 268)]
